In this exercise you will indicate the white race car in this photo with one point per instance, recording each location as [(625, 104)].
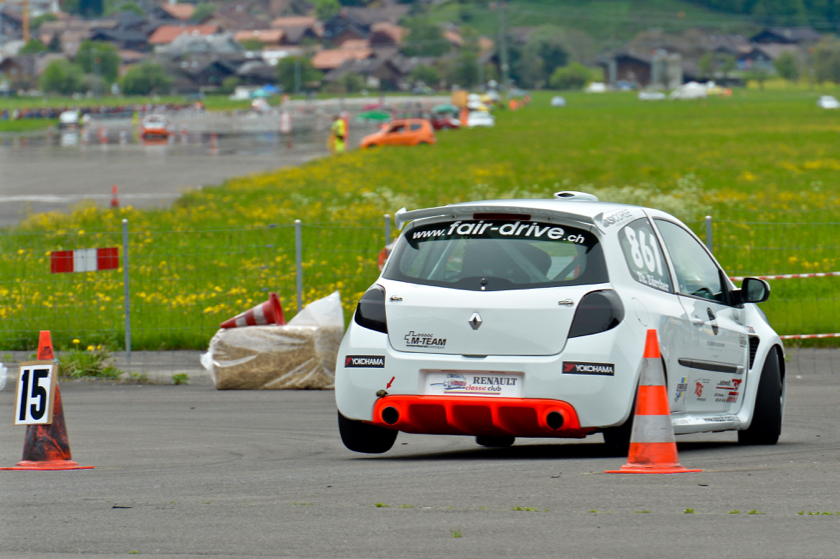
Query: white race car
[(527, 318)]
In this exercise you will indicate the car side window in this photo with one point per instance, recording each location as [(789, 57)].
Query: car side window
[(697, 274), (398, 129), (644, 255), (415, 126)]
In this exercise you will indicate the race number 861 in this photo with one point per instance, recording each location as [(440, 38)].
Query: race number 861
[(35, 393)]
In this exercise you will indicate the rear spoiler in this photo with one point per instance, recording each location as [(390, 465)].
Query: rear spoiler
[(461, 211)]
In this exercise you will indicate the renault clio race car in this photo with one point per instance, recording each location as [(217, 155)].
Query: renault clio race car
[(527, 318)]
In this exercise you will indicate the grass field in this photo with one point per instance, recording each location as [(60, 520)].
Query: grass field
[(24, 125), (764, 164), (609, 22)]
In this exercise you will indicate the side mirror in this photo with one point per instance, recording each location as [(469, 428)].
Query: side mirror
[(754, 290)]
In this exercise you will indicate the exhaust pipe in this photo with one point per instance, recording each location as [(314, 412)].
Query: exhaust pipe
[(390, 415), (554, 420)]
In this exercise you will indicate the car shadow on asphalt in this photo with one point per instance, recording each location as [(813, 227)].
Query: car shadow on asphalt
[(547, 451)]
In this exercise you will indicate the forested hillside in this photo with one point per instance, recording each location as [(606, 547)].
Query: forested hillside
[(823, 14)]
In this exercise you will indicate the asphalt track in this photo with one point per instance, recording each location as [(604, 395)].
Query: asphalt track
[(44, 171), (41, 175), (188, 471)]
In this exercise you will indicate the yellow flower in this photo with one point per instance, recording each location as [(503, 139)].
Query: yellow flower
[(90, 348), (75, 340)]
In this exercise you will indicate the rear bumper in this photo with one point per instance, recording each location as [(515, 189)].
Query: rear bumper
[(162, 133), (454, 415)]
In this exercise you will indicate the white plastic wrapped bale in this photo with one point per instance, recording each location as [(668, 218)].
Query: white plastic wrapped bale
[(300, 355)]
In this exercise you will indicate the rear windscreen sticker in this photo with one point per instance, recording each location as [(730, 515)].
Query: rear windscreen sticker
[(516, 229)]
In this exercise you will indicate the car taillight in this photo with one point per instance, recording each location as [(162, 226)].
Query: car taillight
[(598, 311), (370, 312)]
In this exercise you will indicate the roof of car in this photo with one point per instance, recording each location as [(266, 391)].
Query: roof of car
[(575, 206)]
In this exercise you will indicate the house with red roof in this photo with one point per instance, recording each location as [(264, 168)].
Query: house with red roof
[(165, 34)]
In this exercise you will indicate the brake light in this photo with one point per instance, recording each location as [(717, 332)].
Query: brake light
[(597, 312), (370, 312)]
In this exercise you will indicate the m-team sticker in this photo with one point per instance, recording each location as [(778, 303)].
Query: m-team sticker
[(366, 361), (424, 340), (607, 369)]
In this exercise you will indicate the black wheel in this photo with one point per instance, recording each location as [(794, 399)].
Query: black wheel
[(495, 442), (766, 424), (363, 437), (617, 439)]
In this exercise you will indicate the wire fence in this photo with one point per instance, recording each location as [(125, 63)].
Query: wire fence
[(171, 289)]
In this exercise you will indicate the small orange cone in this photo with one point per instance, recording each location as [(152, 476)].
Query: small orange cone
[(46, 446), (653, 449), (269, 312)]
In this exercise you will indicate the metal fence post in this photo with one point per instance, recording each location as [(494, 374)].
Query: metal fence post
[(387, 229), (709, 233), (127, 292), (299, 264)]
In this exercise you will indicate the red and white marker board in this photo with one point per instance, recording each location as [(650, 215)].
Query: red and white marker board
[(84, 260)]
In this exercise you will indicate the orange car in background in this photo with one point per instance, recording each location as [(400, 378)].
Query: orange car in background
[(401, 132), (155, 126)]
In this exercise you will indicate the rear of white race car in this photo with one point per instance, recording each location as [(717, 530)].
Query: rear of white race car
[(495, 326)]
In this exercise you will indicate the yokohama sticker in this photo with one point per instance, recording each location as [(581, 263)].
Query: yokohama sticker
[(368, 361), (588, 368)]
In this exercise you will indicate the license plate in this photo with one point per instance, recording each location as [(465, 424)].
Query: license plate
[(473, 383)]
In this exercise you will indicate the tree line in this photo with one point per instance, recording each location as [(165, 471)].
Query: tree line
[(820, 13)]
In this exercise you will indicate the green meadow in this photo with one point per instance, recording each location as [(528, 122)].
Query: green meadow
[(763, 164)]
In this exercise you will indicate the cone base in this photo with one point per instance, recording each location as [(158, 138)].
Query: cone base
[(637, 469), (48, 465)]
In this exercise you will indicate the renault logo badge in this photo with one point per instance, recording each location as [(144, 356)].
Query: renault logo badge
[(475, 321)]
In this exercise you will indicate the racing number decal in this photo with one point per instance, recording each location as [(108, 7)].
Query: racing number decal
[(647, 257), (643, 255), (33, 405)]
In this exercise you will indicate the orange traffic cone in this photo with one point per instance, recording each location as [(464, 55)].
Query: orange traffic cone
[(653, 449), (269, 312), (46, 446)]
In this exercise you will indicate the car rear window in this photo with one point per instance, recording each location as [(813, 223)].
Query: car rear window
[(497, 255)]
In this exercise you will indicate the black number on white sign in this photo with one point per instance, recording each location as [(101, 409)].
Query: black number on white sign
[(33, 395)]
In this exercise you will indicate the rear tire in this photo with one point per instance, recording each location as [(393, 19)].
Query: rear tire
[(495, 442), (617, 439), (363, 437), (766, 424)]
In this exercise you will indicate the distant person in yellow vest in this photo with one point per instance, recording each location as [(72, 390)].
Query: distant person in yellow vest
[(338, 131)]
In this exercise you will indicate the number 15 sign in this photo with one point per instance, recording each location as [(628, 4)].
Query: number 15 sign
[(35, 393)]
